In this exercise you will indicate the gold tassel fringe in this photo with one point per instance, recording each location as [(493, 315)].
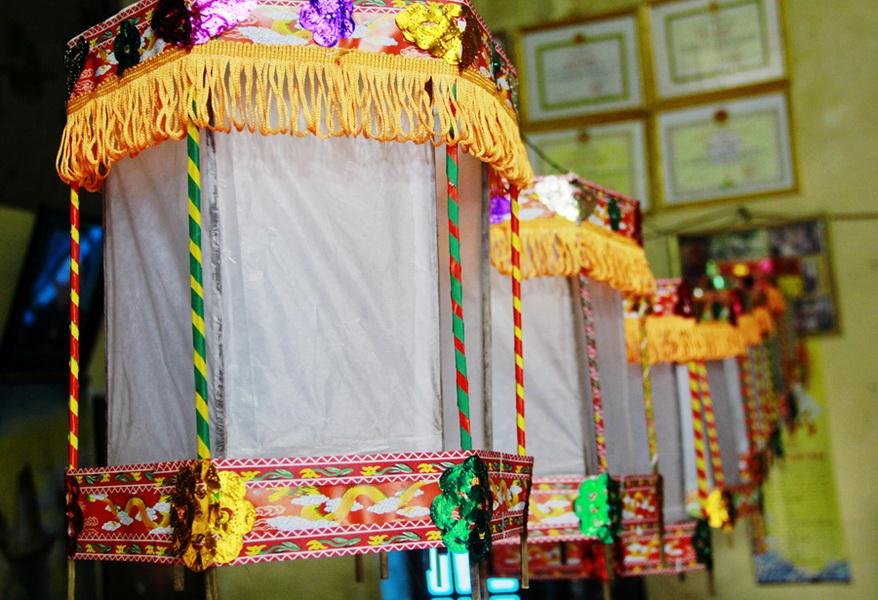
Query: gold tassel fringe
[(296, 90), (560, 248), (674, 339)]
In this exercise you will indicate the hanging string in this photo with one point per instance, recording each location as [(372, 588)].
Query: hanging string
[(594, 375), (196, 281)]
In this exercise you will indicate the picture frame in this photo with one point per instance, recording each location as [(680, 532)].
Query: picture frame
[(729, 150), (703, 46), (799, 253), (615, 154), (581, 68)]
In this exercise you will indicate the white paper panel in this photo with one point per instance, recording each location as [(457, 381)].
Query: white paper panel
[(624, 411), (555, 382), (725, 395), (329, 336), (669, 439), (151, 415)]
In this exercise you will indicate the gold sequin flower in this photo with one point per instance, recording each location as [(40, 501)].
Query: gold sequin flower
[(441, 29)]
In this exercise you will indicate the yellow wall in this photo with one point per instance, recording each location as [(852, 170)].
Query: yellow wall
[(833, 47)]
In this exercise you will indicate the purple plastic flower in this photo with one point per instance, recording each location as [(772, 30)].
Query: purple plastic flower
[(501, 207), (328, 20), (212, 17)]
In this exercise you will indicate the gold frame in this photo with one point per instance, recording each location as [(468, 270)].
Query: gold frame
[(652, 106), (659, 167), (595, 117), (638, 117), (755, 87)]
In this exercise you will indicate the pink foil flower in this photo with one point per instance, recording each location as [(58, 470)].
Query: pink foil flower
[(328, 20), (212, 17)]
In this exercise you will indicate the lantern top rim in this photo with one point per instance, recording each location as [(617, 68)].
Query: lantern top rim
[(567, 229), (380, 73)]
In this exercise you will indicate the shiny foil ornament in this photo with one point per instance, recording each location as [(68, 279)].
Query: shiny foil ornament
[(462, 512), (328, 20), (172, 22), (444, 30), (598, 507), (73, 512), (210, 18), (74, 62), (210, 515), (126, 46)]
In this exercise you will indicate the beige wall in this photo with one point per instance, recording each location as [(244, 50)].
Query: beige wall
[(834, 60)]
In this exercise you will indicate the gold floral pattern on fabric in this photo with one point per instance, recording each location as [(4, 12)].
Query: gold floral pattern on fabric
[(210, 515), (444, 30)]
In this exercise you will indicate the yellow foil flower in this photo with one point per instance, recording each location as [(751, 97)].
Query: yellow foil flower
[(211, 515), (717, 510), (441, 29)]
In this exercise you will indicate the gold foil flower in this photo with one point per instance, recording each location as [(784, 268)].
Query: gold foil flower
[(720, 513), (211, 515), (444, 30)]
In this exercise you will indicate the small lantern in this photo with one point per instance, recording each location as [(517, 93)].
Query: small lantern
[(581, 251)]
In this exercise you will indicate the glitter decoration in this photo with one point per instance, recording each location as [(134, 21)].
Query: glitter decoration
[(462, 512), (443, 30), (74, 62), (328, 20), (560, 195), (501, 207), (126, 46)]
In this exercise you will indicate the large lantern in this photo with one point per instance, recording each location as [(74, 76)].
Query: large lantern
[(297, 276), (581, 251)]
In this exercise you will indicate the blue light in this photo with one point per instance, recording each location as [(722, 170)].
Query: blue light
[(449, 574), (503, 585)]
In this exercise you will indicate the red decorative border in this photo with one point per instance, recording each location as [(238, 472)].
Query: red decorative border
[(305, 507), (638, 551), (570, 560), (551, 518)]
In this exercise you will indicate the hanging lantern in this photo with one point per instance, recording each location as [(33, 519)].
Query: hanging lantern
[(691, 424), (297, 277), (576, 264)]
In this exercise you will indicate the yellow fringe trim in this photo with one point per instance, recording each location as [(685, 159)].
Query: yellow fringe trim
[(749, 328), (558, 247), (293, 90), (765, 321), (721, 340), (674, 339)]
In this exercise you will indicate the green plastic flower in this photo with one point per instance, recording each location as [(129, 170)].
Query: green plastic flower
[(599, 508), (702, 544), (462, 512)]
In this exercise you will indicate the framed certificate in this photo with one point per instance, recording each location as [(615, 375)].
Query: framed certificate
[(726, 150), (709, 45), (586, 68), (613, 155)]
